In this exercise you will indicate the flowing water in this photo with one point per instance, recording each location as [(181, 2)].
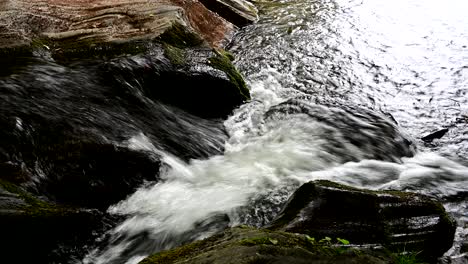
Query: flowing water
[(341, 90)]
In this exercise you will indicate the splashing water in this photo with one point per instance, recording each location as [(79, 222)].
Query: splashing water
[(262, 168)]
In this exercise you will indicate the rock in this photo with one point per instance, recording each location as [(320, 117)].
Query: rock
[(435, 135), (238, 12), (64, 140), (186, 32), (400, 221), (200, 81), (50, 158), (29, 224), (92, 174), (350, 132), (249, 245), (104, 21)]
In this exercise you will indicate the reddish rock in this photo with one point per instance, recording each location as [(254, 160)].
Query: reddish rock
[(23, 22)]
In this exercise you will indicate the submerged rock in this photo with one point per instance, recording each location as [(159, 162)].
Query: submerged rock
[(351, 132), (400, 221), (435, 135), (249, 245)]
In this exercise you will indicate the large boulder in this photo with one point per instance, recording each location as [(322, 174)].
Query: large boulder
[(400, 221), (94, 21), (245, 245)]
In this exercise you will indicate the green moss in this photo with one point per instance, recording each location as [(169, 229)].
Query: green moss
[(223, 63), (251, 245), (172, 255), (408, 259), (10, 187), (35, 207), (279, 239), (182, 252), (180, 37), (67, 50), (28, 198), (174, 54), (257, 241), (227, 54)]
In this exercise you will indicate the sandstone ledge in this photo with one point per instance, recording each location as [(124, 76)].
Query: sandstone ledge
[(102, 21)]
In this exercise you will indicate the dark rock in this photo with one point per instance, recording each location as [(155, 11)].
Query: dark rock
[(249, 245), (94, 175), (51, 159), (435, 135), (353, 132), (400, 221), (238, 12), (200, 81), (29, 224), (464, 247), (67, 140)]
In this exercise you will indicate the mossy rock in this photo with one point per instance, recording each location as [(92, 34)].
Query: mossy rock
[(181, 37), (30, 224), (400, 221), (250, 245), (200, 80), (223, 62), (68, 50), (174, 54)]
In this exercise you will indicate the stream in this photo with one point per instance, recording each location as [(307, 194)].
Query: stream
[(371, 94), (341, 90)]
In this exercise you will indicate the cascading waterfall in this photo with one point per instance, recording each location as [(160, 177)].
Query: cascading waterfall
[(315, 114)]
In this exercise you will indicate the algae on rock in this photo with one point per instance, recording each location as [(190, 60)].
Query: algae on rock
[(242, 245), (27, 222), (223, 62), (398, 220)]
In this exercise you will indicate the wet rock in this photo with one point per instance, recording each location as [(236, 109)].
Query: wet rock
[(68, 139), (397, 220), (50, 159), (464, 247), (352, 132), (250, 245), (29, 224), (197, 79), (435, 135), (93, 174), (201, 81), (238, 12)]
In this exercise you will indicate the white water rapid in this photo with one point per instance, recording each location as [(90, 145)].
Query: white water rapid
[(264, 162)]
